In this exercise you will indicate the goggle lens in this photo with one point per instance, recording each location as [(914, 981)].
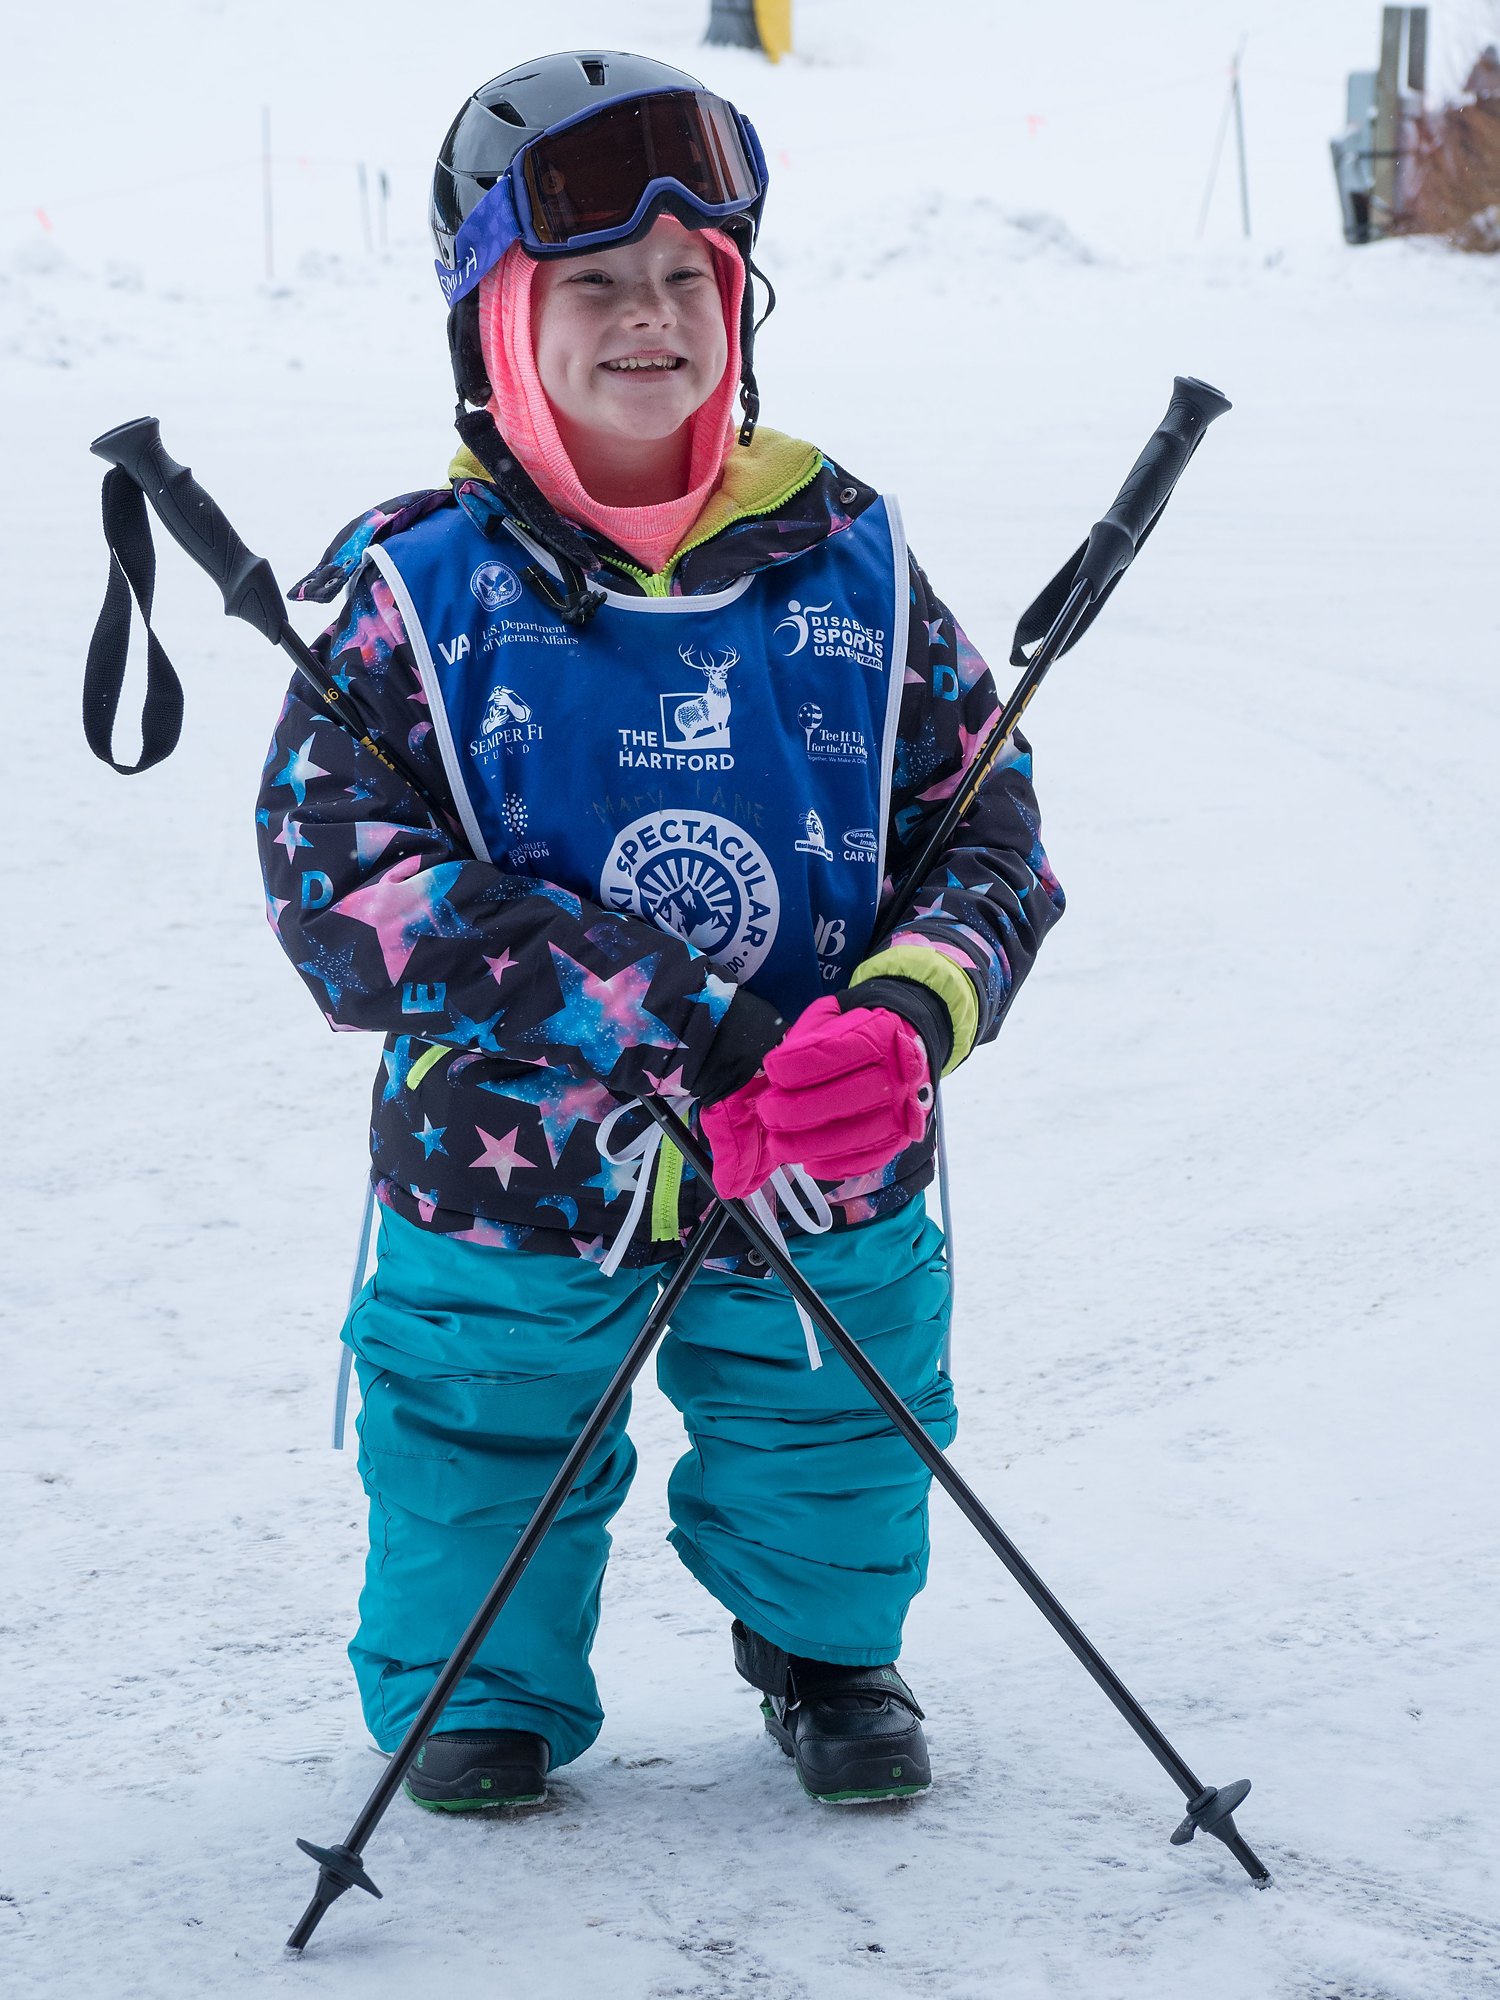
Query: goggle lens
[(591, 177)]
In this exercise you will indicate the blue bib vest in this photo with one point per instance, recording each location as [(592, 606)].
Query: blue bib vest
[(719, 765)]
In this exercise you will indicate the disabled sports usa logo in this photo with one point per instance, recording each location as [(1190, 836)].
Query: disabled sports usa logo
[(827, 634)]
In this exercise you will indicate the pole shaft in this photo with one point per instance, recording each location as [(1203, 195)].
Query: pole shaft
[(531, 1535), (1239, 136), (1213, 172), (265, 191), (1003, 728), (931, 1455)]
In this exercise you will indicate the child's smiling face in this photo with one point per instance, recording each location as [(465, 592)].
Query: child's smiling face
[(630, 340)]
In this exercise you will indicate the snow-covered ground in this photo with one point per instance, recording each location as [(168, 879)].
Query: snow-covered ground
[(1227, 1334)]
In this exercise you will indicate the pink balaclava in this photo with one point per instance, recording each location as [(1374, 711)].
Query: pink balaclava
[(524, 416)]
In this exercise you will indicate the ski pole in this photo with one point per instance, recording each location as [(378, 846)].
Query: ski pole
[(1210, 1809), (1060, 616), (141, 470), (342, 1866)]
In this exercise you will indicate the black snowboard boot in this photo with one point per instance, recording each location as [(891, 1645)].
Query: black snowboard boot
[(855, 1733), (469, 1770)]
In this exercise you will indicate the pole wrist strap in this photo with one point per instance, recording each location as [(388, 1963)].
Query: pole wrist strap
[(132, 573)]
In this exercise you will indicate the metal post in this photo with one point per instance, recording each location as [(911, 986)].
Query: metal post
[(1239, 134), (265, 186), (1416, 50), (1387, 120), (731, 24), (364, 210)]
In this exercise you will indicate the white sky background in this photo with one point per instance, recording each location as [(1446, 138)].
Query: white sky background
[(137, 130)]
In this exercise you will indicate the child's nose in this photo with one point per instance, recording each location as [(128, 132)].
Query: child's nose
[(651, 303)]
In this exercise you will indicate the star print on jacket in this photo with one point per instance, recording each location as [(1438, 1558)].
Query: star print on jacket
[(516, 1012), (600, 1016), (408, 902)]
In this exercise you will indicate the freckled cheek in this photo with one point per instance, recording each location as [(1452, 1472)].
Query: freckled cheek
[(712, 352)]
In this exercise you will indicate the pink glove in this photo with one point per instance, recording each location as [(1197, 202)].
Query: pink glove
[(841, 1095)]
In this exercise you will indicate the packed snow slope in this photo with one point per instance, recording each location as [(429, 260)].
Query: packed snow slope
[(1225, 1190)]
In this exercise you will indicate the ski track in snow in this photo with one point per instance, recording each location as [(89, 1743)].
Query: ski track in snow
[(1225, 1347)]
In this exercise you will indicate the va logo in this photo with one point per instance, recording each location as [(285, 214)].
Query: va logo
[(700, 877), (455, 650), (799, 623), (495, 585)]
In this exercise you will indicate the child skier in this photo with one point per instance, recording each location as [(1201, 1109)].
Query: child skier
[(661, 706)]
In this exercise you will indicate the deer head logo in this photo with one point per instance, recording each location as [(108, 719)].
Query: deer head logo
[(705, 714)]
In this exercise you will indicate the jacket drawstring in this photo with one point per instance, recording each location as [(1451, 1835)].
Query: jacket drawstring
[(795, 1189)]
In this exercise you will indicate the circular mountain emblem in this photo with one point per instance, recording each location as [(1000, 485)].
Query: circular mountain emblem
[(701, 877)]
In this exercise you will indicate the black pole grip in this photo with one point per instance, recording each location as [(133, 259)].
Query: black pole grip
[(1113, 542), (1148, 487), (196, 523)]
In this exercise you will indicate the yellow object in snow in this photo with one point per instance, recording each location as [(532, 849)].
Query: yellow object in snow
[(773, 23)]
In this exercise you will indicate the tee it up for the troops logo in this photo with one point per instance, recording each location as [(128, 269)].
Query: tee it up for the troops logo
[(701, 877)]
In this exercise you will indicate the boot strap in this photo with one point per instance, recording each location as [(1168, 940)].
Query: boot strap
[(769, 1668)]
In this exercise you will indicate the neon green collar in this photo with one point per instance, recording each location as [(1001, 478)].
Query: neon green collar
[(758, 478)]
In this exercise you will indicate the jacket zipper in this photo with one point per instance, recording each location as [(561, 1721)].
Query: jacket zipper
[(659, 583)]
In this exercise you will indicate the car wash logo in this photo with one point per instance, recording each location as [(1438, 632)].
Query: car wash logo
[(507, 725), (701, 877), (831, 746), (827, 634), (495, 585), (694, 731), (860, 844)]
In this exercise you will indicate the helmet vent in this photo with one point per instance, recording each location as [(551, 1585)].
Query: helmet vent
[(506, 110), (593, 69)]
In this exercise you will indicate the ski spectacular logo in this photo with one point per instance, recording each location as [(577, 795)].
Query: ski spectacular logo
[(701, 877), (495, 584), (831, 635)]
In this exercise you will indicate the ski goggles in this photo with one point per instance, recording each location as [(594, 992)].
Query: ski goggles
[(599, 177)]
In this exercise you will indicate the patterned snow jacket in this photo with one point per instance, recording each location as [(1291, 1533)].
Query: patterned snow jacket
[(518, 1012)]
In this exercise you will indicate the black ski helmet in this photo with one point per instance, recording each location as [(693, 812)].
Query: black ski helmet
[(521, 104)]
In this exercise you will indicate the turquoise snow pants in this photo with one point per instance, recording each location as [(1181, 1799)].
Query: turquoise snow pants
[(796, 1505)]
